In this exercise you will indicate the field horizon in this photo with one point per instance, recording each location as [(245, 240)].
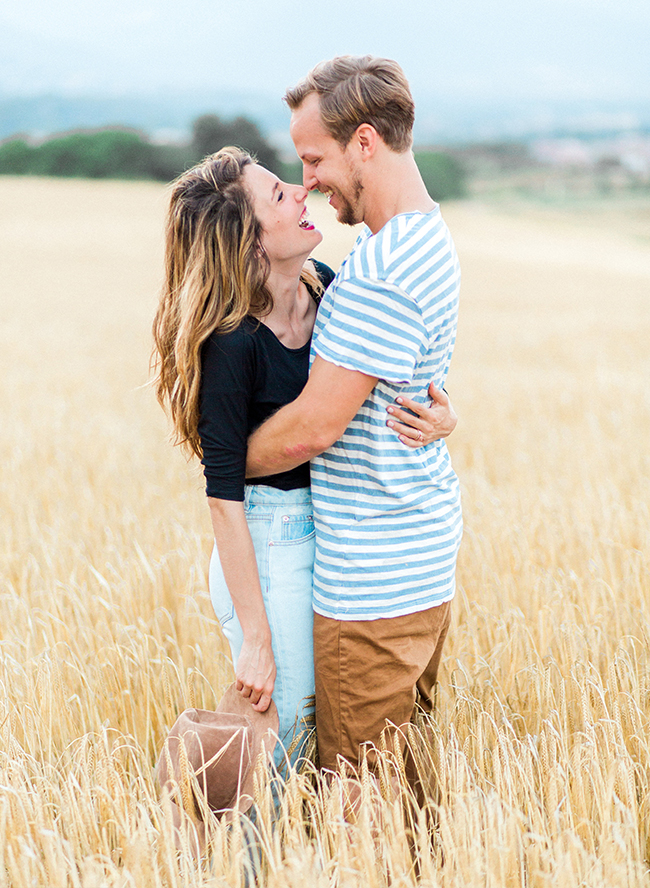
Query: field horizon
[(539, 746)]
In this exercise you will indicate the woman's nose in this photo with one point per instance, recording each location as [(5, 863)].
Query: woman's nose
[(301, 193)]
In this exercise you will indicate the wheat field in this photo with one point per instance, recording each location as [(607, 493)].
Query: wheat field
[(539, 749)]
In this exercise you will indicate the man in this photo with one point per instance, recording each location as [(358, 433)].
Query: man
[(388, 518)]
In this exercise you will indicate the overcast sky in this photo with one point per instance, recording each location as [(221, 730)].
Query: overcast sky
[(462, 49)]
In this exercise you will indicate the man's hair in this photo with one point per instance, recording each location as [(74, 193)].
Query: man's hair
[(360, 89)]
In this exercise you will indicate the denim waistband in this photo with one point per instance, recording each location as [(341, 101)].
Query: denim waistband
[(261, 493)]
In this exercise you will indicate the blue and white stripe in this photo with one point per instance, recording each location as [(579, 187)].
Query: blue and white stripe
[(388, 518)]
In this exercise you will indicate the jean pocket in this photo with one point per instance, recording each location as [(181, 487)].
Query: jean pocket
[(224, 609), (225, 613), (296, 528)]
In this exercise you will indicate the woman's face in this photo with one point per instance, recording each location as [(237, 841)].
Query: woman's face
[(281, 211)]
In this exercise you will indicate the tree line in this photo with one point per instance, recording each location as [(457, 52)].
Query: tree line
[(127, 154)]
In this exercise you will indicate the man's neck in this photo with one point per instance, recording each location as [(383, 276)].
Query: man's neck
[(392, 187)]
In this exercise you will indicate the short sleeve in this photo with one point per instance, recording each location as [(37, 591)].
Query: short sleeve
[(227, 383), (373, 327), (324, 272)]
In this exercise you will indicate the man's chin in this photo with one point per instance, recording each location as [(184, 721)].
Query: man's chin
[(346, 216)]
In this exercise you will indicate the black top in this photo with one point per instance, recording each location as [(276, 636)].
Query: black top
[(247, 375)]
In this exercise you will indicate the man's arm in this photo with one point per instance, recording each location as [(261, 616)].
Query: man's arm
[(310, 424)]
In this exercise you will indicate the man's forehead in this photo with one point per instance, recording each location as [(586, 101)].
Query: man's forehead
[(308, 109), (306, 127)]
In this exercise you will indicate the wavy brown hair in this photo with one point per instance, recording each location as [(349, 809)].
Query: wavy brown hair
[(216, 274)]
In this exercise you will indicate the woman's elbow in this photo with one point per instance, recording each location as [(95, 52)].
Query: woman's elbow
[(222, 510)]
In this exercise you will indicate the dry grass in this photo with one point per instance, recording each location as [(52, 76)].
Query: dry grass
[(540, 744)]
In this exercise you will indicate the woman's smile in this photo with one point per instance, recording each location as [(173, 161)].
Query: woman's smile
[(304, 222), (281, 208)]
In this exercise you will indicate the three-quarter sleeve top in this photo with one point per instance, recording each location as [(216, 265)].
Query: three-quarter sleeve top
[(246, 376)]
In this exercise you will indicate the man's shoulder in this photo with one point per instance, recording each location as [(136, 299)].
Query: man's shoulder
[(407, 236), (405, 241)]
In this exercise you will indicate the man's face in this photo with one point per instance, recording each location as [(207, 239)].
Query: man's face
[(326, 166)]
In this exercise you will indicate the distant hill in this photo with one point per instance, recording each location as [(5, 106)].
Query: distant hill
[(165, 118), (168, 117)]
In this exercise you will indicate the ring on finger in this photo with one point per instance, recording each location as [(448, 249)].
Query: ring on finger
[(420, 435)]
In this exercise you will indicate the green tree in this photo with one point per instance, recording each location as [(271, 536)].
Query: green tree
[(169, 161), (443, 174), (210, 133), (102, 154), (15, 156), (246, 134), (291, 171), (126, 154)]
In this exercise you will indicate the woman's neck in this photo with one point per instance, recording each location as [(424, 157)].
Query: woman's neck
[(283, 285), (294, 311)]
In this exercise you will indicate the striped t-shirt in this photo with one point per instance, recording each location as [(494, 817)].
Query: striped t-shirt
[(388, 518)]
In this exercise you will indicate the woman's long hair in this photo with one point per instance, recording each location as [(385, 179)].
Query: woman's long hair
[(215, 275)]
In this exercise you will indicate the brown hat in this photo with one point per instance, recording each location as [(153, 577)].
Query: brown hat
[(220, 750)]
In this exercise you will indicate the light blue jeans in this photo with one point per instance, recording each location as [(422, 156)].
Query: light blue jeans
[(281, 524)]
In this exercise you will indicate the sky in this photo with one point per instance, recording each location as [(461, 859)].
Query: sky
[(455, 51)]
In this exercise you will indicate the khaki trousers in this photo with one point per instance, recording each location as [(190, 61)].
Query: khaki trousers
[(370, 672)]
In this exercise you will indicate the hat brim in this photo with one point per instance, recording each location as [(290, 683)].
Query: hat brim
[(264, 726)]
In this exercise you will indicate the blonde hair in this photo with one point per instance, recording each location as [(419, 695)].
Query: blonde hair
[(360, 89), (216, 274)]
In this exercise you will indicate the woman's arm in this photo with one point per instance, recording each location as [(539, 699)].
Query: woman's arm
[(255, 668)]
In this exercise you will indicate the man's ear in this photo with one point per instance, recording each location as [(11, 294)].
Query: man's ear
[(366, 137)]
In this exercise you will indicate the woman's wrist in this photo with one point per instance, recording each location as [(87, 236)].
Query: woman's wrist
[(257, 633)]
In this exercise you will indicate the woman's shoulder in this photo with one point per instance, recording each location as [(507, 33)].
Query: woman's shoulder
[(325, 274), (241, 340)]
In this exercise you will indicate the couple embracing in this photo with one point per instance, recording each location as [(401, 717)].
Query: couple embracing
[(306, 395)]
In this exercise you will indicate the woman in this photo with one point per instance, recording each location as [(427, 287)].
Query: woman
[(232, 335)]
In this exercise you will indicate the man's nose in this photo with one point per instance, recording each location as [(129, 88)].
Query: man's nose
[(309, 180)]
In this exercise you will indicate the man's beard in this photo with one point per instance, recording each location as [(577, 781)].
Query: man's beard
[(348, 212)]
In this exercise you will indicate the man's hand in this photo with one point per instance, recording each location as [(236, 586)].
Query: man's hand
[(431, 423)]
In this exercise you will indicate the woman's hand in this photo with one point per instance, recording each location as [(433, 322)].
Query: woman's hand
[(255, 669), (429, 423), (255, 673)]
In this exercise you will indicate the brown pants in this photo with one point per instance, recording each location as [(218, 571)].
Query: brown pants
[(371, 671)]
